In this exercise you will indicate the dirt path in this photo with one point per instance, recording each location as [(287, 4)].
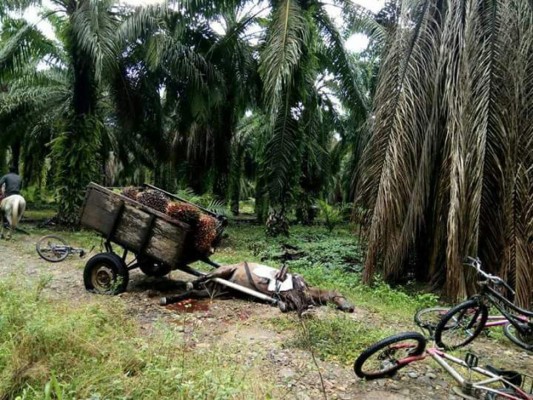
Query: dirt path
[(246, 324)]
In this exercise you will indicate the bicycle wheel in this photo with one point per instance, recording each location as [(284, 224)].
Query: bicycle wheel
[(461, 325), (387, 356), (429, 318), (523, 340), (503, 394), (52, 248)]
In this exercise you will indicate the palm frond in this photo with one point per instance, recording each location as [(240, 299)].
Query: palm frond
[(450, 153), (341, 64), (287, 38), (94, 27), (21, 43), (361, 20), (281, 157)]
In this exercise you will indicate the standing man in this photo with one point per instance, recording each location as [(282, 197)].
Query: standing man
[(11, 182)]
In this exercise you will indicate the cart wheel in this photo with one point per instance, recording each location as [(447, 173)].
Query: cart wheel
[(106, 273), (154, 268)]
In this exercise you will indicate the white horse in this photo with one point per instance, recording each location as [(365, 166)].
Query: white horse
[(12, 208)]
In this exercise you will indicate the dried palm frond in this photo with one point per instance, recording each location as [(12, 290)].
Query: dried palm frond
[(448, 169)]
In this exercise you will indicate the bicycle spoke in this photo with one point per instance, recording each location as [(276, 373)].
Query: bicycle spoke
[(387, 356), (52, 248), (461, 325)]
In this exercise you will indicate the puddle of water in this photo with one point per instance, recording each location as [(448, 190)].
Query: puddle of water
[(189, 306)]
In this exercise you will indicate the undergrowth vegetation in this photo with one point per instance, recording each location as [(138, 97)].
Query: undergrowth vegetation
[(60, 350), (55, 350)]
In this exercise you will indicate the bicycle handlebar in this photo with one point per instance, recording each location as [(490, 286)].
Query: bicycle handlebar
[(476, 264)]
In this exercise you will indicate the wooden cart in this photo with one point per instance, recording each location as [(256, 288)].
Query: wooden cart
[(159, 243)]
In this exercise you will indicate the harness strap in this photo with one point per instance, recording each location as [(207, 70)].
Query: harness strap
[(249, 275)]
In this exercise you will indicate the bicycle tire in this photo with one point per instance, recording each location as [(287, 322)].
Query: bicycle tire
[(510, 331), (390, 365), (44, 252), (473, 313), (429, 318)]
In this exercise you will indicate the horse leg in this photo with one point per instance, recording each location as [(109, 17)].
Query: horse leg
[(9, 226), (321, 296), (190, 294), (224, 272)]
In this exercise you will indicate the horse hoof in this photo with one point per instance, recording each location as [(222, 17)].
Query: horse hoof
[(283, 306), (189, 286), (163, 301)]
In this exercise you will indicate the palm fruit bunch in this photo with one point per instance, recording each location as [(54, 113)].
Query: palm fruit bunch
[(184, 212), (153, 199), (206, 233), (130, 192)]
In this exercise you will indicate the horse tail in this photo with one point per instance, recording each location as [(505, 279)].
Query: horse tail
[(18, 209)]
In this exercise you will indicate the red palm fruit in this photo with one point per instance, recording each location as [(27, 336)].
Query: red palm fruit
[(206, 233), (184, 212), (130, 192)]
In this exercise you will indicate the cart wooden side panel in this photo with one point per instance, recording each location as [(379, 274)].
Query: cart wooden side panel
[(133, 226)]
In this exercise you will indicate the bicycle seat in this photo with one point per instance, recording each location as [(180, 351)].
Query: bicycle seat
[(511, 376)]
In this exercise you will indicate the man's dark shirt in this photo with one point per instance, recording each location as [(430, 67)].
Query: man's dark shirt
[(13, 184)]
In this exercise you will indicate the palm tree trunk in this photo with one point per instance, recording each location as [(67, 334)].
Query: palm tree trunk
[(222, 153)]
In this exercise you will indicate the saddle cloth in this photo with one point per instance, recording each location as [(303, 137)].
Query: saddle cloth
[(264, 271)]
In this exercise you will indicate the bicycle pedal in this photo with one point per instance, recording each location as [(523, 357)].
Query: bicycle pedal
[(471, 360)]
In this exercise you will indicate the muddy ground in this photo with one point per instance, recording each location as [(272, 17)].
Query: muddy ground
[(239, 321)]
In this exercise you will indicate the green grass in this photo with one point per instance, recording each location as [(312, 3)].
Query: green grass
[(333, 337), (93, 351), (41, 214)]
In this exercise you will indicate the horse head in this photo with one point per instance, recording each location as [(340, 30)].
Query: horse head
[(12, 207)]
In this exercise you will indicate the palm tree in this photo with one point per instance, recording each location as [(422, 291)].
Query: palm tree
[(208, 79), (302, 42), (32, 97), (449, 167), (299, 44), (87, 31)]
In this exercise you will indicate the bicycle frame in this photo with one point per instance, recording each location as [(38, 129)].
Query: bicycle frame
[(467, 385), (489, 296)]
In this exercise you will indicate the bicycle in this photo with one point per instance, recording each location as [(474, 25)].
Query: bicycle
[(54, 248), (386, 357), (428, 319), (464, 322)]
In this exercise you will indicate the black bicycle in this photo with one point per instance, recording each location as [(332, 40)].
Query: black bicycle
[(464, 322), (54, 248)]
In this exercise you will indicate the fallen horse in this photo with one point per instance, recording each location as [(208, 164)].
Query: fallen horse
[(288, 291)]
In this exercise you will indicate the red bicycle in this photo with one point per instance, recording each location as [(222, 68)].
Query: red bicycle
[(386, 357)]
